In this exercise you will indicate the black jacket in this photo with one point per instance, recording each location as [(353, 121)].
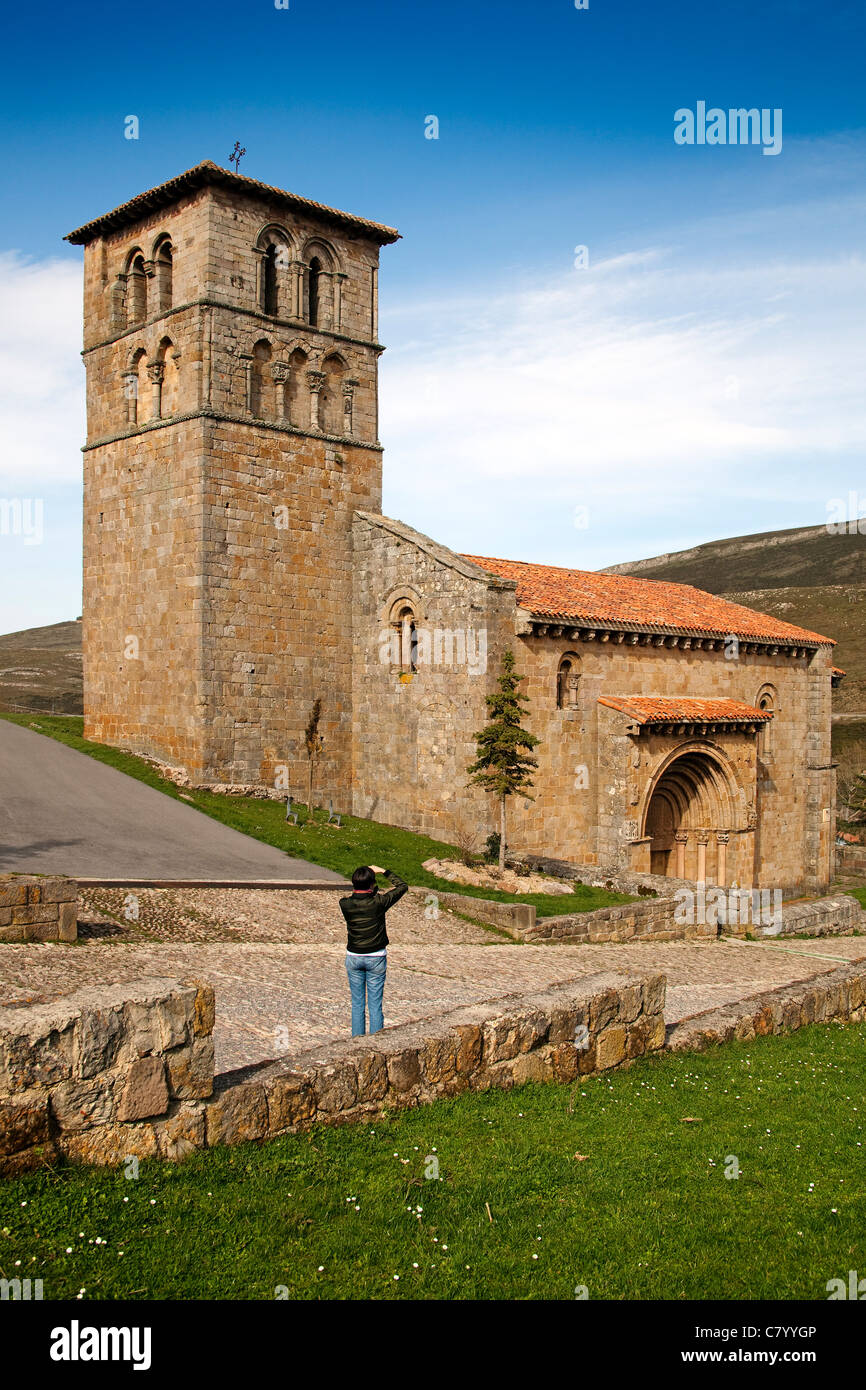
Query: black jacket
[(365, 916)]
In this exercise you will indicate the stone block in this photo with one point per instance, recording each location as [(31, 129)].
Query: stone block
[(67, 921), (109, 1145), (291, 1101), (191, 1069), (236, 1115), (100, 1034), (37, 1048), (144, 1091), (404, 1071), (610, 1047), (12, 894), (181, 1132), (24, 1122), (654, 989), (78, 1105), (60, 890), (565, 1059), (204, 1009), (439, 1059), (372, 1076), (533, 1066), (603, 1009), (174, 1017)]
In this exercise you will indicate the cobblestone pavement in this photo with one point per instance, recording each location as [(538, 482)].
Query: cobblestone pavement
[(276, 962)]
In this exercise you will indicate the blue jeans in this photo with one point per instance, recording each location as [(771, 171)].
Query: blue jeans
[(367, 983)]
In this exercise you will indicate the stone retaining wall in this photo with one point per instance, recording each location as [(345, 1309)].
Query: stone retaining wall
[(106, 1075), (649, 919), (836, 995), (37, 908), (515, 918), (840, 915)]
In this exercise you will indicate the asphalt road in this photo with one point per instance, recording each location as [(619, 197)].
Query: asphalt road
[(63, 812)]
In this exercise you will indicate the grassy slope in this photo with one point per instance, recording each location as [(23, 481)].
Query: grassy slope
[(805, 576), (40, 668), (357, 842), (648, 1213)]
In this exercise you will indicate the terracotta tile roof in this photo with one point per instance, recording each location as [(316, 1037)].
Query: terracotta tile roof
[(652, 709), (837, 671), (610, 600), (208, 172)]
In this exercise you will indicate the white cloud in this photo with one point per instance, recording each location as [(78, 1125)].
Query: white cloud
[(41, 374), (648, 384)]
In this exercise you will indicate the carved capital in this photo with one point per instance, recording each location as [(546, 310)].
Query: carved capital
[(156, 372), (316, 380), (280, 371)]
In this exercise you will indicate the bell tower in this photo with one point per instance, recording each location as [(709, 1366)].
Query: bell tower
[(231, 350)]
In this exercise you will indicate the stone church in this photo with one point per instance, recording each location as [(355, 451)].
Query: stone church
[(237, 567)]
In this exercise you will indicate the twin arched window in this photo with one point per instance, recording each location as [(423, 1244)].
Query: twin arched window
[(145, 287), (303, 286)]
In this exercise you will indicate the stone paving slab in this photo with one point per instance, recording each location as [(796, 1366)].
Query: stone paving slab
[(301, 987)]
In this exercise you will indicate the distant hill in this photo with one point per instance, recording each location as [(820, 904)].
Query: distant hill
[(805, 575), (805, 557), (40, 668)]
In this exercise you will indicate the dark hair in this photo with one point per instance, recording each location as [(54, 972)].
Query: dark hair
[(363, 878)]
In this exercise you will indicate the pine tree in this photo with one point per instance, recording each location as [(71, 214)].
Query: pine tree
[(503, 764)]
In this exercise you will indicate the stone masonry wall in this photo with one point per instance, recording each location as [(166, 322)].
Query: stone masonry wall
[(656, 919), (106, 1075), (412, 737), (33, 908), (834, 996)]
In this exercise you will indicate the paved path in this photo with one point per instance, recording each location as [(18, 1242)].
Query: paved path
[(63, 812), (276, 960)]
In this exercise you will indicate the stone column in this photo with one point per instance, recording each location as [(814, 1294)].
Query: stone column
[(130, 391), (118, 303), (722, 840), (281, 372), (156, 372), (681, 838), (337, 308), (248, 382), (299, 270), (316, 381), (702, 837), (374, 303), (259, 252), (348, 405)]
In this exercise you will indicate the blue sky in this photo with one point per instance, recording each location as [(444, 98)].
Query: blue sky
[(702, 376)]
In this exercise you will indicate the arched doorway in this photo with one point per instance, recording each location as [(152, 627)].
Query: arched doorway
[(690, 811)]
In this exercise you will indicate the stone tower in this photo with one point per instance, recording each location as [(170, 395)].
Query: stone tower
[(231, 348)]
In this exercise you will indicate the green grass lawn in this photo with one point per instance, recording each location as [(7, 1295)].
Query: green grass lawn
[(646, 1212), (357, 842)]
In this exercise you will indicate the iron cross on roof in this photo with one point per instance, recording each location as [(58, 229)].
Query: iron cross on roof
[(236, 155)]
